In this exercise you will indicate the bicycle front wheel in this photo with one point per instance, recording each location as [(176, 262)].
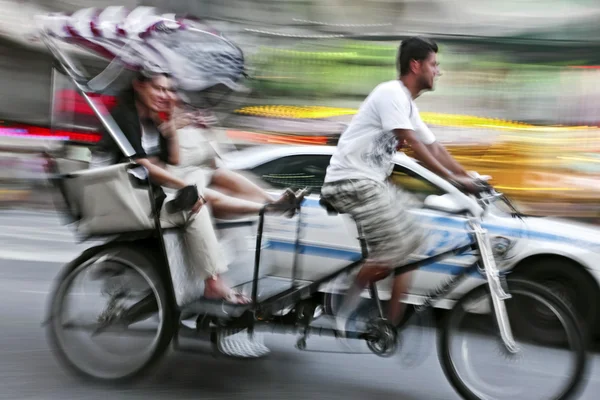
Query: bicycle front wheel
[(478, 365)]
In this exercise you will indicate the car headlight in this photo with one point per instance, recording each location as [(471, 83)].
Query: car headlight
[(501, 246)]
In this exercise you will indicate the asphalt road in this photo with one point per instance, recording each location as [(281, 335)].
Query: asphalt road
[(32, 248)]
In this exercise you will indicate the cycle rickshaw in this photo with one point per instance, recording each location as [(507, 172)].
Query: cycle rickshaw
[(157, 291)]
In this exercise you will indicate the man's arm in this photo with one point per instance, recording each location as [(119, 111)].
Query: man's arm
[(437, 149), (422, 152), (441, 154)]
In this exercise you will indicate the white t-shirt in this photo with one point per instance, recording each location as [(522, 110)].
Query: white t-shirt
[(366, 148)]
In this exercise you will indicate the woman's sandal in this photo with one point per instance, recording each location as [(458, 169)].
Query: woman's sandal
[(234, 297), (299, 197), (288, 197), (290, 201), (286, 201)]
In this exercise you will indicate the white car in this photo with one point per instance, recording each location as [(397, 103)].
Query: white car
[(562, 254)]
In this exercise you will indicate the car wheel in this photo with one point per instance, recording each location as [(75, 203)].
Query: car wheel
[(575, 286)]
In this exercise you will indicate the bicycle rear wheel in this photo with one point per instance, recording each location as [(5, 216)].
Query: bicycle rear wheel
[(550, 379), (86, 328)]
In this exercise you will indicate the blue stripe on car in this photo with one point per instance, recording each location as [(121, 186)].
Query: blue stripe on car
[(446, 239), (351, 255), (495, 229)]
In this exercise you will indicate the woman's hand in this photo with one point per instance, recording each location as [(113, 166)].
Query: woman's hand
[(181, 120), (198, 206), (177, 121), (160, 176), (169, 131), (205, 119)]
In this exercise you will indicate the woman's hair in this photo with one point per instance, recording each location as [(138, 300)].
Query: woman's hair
[(145, 74)]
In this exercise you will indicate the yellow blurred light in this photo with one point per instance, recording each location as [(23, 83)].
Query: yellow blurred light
[(295, 112), (545, 189), (449, 120), (583, 159)]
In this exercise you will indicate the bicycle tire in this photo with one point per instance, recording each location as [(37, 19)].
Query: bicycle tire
[(573, 329), (141, 261)]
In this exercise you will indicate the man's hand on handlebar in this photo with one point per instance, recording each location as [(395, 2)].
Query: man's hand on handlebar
[(467, 184)]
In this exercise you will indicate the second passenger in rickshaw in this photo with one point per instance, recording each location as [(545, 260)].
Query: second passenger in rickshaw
[(200, 156), (156, 147)]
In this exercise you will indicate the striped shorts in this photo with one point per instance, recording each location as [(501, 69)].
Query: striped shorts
[(392, 234)]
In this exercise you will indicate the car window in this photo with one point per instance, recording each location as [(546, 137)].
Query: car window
[(414, 183), (295, 171)]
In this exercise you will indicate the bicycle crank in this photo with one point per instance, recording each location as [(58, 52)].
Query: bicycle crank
[(381, 337)]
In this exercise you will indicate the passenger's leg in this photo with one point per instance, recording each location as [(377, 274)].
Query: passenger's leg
[(205, 253), (233, 199), (237, 185), (224, 206)]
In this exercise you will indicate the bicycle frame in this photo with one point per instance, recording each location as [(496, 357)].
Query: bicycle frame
[(480, 242), (296, 293)]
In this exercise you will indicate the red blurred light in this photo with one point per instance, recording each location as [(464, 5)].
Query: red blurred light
[(69, 100), (87, 137)]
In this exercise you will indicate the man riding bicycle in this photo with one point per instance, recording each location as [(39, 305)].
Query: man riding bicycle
[(356, 179)]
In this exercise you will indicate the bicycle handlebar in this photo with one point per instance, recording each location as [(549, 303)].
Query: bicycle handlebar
[(488, 195), (484, 192)]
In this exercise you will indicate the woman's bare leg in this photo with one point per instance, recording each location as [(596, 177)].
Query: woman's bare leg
[(237, 185), (224, 206)]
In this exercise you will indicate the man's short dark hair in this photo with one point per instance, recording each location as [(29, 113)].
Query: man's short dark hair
[(414, 48)]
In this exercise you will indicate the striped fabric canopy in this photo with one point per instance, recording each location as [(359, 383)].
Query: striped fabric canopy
[(198, 56)]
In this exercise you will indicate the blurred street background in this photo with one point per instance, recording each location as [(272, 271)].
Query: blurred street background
[(518, 98)]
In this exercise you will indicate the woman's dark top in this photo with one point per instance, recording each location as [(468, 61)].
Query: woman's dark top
[(127, 118)]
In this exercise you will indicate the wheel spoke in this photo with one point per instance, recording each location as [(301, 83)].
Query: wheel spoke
[(93, 332), (95, 329)]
